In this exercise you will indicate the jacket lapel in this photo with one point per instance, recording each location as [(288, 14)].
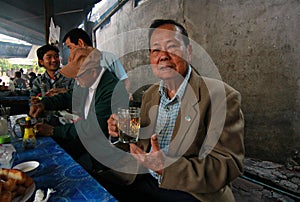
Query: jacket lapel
[(151, 110), (187, 121)]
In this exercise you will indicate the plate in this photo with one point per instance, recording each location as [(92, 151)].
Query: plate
[(28, 193), (27, 166)]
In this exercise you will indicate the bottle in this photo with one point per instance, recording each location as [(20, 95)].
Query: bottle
[(29, 140)]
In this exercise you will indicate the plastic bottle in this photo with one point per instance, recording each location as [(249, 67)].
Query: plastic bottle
[(29, 140)]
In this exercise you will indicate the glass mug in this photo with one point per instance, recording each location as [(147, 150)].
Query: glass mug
[(129, 124)]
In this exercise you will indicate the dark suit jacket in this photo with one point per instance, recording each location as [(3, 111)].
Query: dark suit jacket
[(101, 108)]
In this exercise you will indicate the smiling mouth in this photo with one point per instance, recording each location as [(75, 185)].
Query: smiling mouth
[(165, 68)]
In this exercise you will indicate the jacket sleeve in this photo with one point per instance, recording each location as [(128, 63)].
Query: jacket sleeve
[(35, 89), (60, 101)]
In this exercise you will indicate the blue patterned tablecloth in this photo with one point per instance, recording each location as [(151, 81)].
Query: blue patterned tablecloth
[(57, 170)]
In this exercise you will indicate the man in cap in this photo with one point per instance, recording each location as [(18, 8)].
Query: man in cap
[(91, 96)]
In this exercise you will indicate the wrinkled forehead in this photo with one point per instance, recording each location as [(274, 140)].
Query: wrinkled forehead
[(164, 34)]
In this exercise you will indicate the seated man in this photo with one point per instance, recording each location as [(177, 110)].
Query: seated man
[(78, 38), (19, 82), (51, 82), (91, 97), (191, 138)]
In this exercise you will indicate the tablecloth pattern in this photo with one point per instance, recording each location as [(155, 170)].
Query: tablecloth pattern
[(57, 170)]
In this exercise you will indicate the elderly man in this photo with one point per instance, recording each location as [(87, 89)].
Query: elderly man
[(191, 142)]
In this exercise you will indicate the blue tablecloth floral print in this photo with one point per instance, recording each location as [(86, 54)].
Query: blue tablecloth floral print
[(57, 170)]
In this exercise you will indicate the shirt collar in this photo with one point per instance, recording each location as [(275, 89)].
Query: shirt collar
[(55, 74), (95, 84), (181, 89)]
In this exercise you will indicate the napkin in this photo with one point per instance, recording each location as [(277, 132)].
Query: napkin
[(39, 195), (67, 117)]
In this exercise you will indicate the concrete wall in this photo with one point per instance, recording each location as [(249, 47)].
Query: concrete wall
[(254, 46)]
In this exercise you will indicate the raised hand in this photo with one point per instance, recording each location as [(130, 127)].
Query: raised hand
[(153, 160)]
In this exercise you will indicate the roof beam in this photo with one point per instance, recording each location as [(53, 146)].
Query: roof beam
[(19, 26)]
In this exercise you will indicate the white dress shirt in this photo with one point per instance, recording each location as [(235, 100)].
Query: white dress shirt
[(90, 96)]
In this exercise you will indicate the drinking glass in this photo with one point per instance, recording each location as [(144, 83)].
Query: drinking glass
[(129, 124)]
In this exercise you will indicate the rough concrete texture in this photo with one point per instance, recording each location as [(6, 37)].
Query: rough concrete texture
[(255, 46), (267, 181), (247, 191)]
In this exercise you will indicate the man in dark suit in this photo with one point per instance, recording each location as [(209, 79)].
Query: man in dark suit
[(91, 97)]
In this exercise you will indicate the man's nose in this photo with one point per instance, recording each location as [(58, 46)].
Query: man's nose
[(164, 56)]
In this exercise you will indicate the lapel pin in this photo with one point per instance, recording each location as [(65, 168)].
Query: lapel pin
[(187, 118)]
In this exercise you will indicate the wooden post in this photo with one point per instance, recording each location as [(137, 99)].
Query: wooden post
[(48, 13)]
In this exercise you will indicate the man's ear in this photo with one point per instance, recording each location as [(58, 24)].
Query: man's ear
[(81, 43)]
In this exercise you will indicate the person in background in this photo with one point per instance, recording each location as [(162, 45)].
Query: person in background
[(3, 86), (188, 154), (11, 85), (78, 38), (18, 81), (24, 76), (51, 82), (32, 76)]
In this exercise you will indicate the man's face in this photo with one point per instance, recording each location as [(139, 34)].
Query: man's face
[(50, 61), (169, 57), (87, 78), (71, 45)]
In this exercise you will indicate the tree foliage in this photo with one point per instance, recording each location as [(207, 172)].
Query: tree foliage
[(5, 66)]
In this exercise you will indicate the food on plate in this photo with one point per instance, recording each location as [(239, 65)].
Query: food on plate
[(13, 183)]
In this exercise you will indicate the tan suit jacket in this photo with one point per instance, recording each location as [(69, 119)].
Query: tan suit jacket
[(206, 151)]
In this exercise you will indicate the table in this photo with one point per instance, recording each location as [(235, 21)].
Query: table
[(59, 171)]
